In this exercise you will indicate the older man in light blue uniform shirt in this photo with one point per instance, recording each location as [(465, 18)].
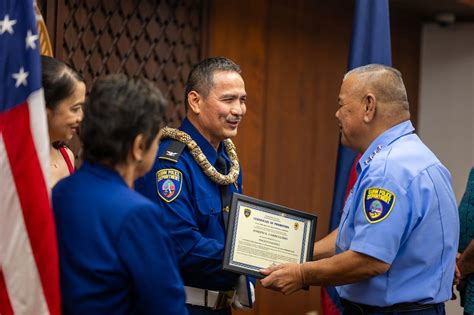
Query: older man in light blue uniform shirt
[(395, 248), (416, 231)]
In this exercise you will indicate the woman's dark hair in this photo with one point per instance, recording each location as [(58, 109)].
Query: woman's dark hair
[(117, 110), (59, 81)]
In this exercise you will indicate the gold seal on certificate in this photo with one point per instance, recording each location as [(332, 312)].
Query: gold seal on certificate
[(261, 234)]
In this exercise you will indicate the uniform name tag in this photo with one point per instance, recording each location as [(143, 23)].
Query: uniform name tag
[(378, 203), (168, 183)]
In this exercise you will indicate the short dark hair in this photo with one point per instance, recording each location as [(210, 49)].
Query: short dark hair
[(117, 110), (59, 81), (200, 78)]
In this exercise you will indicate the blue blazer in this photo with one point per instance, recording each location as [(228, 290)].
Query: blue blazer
[(115, 257)]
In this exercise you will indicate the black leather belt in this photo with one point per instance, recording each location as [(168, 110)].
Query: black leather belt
[(357, 308)]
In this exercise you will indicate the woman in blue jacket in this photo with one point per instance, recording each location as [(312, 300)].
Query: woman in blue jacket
[(115, 256)]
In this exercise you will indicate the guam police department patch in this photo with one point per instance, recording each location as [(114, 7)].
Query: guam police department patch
[(378, 203), (168, 183)]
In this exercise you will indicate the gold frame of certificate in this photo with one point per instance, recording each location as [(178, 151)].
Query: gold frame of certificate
[(261, 234)]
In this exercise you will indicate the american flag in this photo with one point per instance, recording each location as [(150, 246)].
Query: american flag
[(29, 274)]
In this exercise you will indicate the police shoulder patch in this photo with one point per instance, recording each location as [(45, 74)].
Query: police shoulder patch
[(378, 203), (168, 183)]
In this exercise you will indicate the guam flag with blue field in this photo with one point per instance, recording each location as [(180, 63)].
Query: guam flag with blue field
[(370, 44)]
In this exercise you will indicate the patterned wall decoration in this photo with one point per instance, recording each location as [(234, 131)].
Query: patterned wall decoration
[(158, 40)]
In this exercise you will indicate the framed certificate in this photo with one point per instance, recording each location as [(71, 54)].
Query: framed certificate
[(261, 234)]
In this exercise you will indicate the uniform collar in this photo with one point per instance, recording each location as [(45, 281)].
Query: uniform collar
[(102, 171), (382, 141), (205, 146)]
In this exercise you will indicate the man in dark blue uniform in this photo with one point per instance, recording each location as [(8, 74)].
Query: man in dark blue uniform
[(395, 248), (193, 179)]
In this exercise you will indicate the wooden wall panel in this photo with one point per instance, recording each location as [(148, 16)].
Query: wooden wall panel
[(307, 58), (237, 30), (157, 40), (406, 48)]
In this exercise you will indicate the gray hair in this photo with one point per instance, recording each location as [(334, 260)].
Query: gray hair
[(386, 83)]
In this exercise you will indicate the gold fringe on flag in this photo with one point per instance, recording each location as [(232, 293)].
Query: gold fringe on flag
[(45, 44)]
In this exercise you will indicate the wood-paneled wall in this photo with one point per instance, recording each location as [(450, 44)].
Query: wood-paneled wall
[(293, 55), (157, 40)]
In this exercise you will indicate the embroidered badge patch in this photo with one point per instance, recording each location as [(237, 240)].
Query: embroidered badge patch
[(378, 203), (168, 183)]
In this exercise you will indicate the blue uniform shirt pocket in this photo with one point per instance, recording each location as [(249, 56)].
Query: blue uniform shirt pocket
[(209, 216)]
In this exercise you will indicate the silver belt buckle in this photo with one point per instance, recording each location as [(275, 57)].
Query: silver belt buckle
[(213, 299), (224, 299)]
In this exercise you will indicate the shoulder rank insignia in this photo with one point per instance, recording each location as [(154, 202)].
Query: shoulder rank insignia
[(173, 151), (378, 203), (168, 183)]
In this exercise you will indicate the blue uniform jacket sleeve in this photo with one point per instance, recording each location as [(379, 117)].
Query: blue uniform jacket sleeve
[(195, 226), (145, 250)]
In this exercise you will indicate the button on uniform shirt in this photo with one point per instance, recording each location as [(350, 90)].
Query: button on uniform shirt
[(403, 212), (115, 257), (193, 212)]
